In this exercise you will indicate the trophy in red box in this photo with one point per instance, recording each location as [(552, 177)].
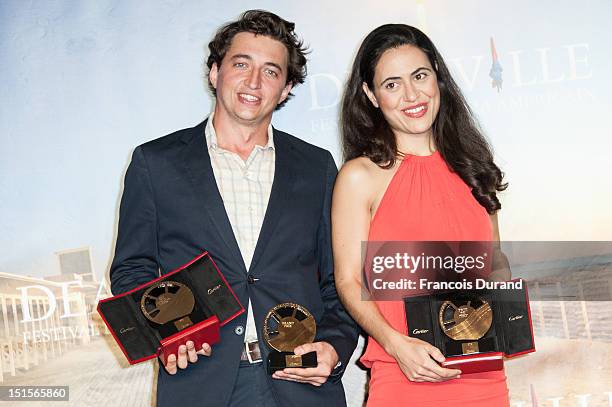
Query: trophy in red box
[(168, 301), (186, 304), (466, 321), (474, 329)]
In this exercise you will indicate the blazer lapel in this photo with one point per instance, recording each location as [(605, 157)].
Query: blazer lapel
[(197, 160), (280, 195)]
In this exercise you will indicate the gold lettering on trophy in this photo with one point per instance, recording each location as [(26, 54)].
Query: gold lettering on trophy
[(163, 300), (212, 290), (463, 312), (515, 317), (293, 360), (183, 323), (469, 347), (287, 324)]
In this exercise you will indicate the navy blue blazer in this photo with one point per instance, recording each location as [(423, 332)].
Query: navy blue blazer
[(171, 211)]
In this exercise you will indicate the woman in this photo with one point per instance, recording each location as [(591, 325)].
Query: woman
[(418, 168)]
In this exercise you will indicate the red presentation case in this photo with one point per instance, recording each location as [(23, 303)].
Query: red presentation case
[(140, 339), (510, 335)]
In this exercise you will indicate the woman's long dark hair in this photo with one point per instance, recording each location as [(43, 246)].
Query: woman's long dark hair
[(456, 133)]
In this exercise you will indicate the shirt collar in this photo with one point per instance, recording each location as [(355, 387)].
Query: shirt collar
[(211, 136)]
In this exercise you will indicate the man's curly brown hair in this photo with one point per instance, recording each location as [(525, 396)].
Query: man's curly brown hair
[(261, 22)]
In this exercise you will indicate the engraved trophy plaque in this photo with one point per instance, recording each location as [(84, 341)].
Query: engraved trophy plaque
[(466, 321), (287, 326), (168, 301)]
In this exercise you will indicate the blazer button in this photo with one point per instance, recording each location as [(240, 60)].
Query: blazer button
[(252, 279), (239, 330)]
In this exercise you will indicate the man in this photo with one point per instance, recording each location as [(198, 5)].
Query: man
[(258, 200)]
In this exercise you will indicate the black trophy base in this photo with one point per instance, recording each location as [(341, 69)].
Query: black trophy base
[(282, 360)]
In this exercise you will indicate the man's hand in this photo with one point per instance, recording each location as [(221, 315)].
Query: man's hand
[(327, 359), (186, 353), (417, 360)]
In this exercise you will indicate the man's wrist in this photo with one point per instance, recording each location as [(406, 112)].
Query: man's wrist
[(336, 362), (336, 357)]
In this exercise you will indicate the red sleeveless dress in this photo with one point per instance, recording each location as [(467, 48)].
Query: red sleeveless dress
[(426, 201)]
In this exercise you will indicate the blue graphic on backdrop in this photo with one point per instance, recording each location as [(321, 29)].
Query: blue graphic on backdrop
[(496, 69)]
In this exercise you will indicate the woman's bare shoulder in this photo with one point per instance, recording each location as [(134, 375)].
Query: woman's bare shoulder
[(361, 180), (360, 170)]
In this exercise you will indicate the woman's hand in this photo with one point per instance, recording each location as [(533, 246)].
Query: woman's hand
[(417, 360)]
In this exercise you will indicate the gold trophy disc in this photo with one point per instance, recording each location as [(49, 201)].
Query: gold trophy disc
[(469, 319), (168, 301), (287, 326)]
